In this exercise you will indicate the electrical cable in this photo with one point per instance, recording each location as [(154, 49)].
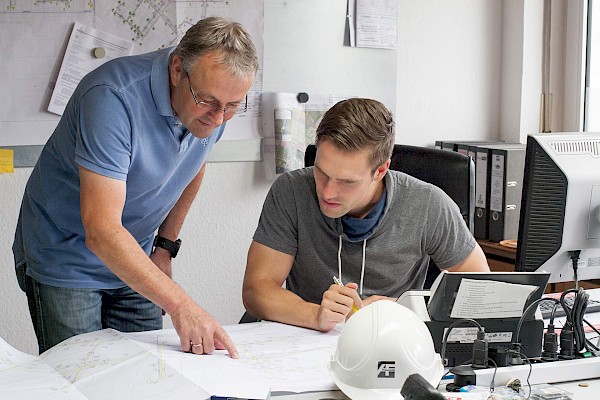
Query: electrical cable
[(575, 316), (461, 376), (492, 382), (550, 343), (574, 256), (533, 305), (592, 327), (524, 358), (447, 333)]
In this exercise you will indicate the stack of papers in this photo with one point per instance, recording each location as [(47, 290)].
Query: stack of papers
[(109, 364)]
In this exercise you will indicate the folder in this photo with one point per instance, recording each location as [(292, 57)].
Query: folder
[(462, 146), (447, 145), (482, 155), (505, 186), (483, 162)]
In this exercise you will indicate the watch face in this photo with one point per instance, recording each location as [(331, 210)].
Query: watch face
[(176, 246)]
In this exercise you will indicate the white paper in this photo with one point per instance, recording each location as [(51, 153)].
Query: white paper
[(376, 23), (273, 356), (106, 365), (479, 298), (23, 376), (34, 36), (79, 59), (109, 364)]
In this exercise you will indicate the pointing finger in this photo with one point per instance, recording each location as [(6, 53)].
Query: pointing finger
[(224, 340)]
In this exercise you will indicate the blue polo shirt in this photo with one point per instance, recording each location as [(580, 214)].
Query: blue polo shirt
[(119, 123)]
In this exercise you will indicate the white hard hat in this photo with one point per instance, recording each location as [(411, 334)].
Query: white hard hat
[(381, 345)]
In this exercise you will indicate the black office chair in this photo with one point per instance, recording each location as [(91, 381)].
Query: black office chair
[(452, 172)]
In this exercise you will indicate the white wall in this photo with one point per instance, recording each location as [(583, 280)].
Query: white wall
[(449, 63), (15, 325), (447, 87)]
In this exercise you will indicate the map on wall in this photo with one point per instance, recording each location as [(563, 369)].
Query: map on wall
[(34, 35)]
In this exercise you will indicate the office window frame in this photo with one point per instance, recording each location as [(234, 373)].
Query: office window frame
[(574, 50), (591, 112)]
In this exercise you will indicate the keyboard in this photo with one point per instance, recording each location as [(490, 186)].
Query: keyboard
[(546, 307)]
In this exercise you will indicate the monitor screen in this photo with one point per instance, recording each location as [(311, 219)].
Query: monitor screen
[(560, 206)]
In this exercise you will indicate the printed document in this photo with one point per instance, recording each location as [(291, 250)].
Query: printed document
[(479, 298), (79, 59)]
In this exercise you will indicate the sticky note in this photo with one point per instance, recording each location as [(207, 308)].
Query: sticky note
[(7, 164)]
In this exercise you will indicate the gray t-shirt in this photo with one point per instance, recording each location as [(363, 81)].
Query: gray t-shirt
[(419, 221)]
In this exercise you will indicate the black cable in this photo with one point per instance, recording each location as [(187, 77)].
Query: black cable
[(553, 312), (574, 255), (480, 351), (550, 343), (575, 316), (529, 308), (567, 351), (589, 342), (591, 326), (566, 307), (452, 326)]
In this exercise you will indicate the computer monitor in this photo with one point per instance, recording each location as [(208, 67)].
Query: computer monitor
[(560, 206)]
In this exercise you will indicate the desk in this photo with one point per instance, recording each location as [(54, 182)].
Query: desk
[(500, 258), (582, 390), (287, 360), (107, 364)]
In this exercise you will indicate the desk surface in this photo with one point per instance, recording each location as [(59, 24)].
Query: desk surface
[(496, 249), (582, 390), (276, 356)]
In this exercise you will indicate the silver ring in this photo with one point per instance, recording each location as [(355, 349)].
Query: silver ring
[(196, 345)]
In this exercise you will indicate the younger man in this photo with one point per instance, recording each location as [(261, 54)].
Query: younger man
[(351, 218)]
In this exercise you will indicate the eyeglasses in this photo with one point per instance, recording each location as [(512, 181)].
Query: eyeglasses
[(214, 106)]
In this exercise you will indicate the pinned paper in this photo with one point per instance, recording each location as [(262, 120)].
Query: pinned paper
[(7, 164), (88, 48)]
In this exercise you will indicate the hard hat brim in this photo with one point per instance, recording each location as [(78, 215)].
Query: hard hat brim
[(356, 393)]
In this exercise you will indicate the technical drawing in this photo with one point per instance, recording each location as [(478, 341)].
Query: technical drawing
[(47, 6)]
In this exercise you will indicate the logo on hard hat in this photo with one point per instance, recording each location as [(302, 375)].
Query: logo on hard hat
[(386, 369)]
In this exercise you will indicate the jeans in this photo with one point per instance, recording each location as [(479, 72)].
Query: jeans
[(59, 313)]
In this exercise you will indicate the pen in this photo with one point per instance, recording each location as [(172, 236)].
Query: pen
[(337, 281)]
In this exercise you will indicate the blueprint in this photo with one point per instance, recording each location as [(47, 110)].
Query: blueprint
[(273, 356), (121, 368), (20, 371), (109, 364), (32, 56)]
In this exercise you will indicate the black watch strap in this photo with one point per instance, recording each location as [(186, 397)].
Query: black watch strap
[(167, 244)]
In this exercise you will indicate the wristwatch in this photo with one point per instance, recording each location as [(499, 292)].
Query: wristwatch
[(167, 244)]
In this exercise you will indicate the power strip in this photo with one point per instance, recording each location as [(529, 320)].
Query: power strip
[(546, 372)]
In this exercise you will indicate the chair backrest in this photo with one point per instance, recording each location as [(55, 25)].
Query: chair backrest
[(452, 172)]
